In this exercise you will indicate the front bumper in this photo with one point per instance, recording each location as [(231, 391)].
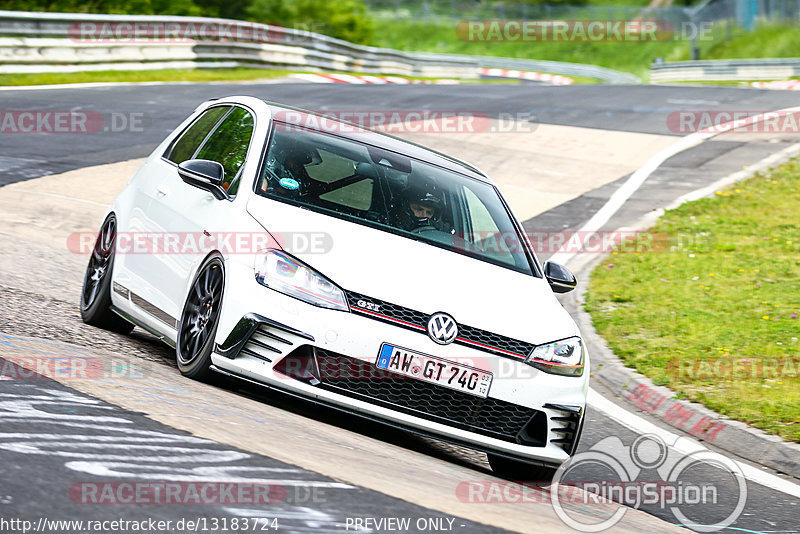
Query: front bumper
[(278, 341)]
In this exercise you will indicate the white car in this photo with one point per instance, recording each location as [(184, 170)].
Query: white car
[(351, 268)]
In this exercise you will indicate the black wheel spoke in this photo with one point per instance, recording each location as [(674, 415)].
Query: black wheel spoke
[(200, 313), (198, 291), (195, 346), (92, 292), (207, 282), (99, 261)]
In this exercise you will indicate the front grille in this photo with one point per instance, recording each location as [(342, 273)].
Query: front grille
[(490, 417), (381, 309), (418, 321)]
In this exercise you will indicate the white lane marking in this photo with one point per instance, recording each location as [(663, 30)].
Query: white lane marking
[(174, 475), (635, 181), (686, 445), (692, 102), (120, 439), (65, 197), (128, 452), (651, 217), (764, 164), (214, 473), (626, 190)]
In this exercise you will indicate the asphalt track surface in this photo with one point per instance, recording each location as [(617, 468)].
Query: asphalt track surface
[(28, 485), (160, 108)]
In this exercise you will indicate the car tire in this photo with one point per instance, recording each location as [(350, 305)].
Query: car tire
[(520, 471), (197, 327), (96, 291)]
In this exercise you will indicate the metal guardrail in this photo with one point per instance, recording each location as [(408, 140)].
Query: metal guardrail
[(725, 70), (48, 42)]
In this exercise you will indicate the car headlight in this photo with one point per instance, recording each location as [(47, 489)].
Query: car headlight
[(281, 272), (563, 357)]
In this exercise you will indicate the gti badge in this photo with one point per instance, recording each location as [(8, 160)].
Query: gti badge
[(368, 305), (442, 328)]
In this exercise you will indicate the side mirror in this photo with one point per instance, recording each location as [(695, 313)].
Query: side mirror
[(205, 174), (560, 278)]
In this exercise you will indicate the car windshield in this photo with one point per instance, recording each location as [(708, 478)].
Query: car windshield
[(391, 192)]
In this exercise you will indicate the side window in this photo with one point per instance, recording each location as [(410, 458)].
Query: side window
[(486, 236), (185, 147), (229, 143)]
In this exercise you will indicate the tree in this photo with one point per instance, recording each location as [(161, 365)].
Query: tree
[(345, 19)]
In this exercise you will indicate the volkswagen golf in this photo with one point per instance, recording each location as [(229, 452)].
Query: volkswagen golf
[(350, 268)]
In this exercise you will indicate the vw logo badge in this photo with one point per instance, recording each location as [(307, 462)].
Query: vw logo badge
[(442, 328)]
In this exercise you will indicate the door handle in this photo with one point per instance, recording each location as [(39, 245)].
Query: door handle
[(162, 190)]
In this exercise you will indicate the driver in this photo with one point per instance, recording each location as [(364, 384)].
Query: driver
[(420, 207)]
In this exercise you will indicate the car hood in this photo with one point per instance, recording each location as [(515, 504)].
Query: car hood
[(416, 275)]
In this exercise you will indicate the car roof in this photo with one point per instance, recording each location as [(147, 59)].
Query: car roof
[(382, 140)]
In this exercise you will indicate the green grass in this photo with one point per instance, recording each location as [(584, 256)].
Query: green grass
[(442, 38), (765, 41), (187, 75), (724, 286), (634, 57), (167, 75)]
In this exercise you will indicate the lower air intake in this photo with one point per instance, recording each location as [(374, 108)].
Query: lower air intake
[(490, 417)]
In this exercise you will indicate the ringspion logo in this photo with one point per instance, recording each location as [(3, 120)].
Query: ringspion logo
[(649, 472)]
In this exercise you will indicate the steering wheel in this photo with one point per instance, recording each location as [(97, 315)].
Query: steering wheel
[(421, 230)]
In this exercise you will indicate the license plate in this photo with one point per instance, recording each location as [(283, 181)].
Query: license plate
[(436, 370)]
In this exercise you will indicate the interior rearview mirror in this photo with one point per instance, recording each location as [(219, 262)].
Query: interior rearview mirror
[(205, 174), (560, 278)]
